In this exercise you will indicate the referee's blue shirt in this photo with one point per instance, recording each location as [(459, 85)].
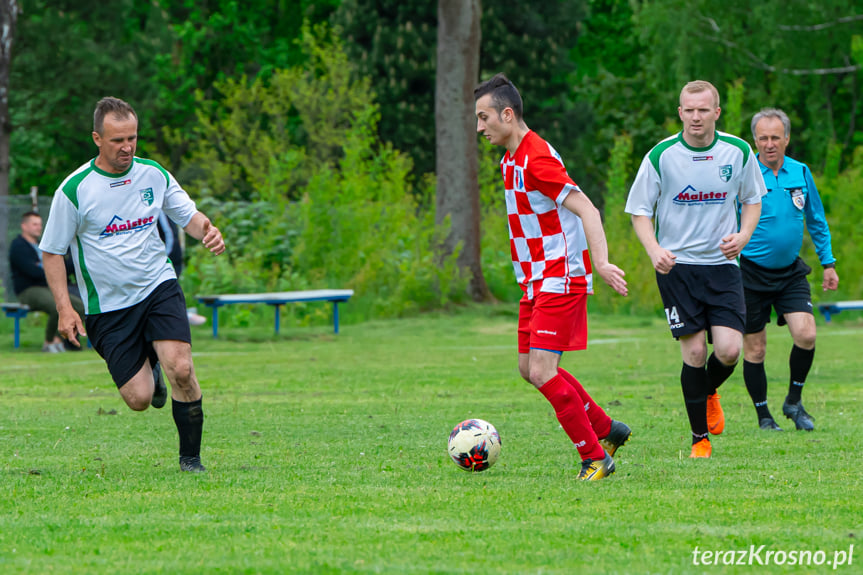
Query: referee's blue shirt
[(791, 198)]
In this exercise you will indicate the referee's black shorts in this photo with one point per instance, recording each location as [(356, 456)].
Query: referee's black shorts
[(697, 297), (124, 337), (786, 290)]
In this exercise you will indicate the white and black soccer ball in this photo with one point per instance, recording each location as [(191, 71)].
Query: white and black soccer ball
[(474, 445)]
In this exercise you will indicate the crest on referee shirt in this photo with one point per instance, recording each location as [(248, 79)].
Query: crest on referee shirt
[(725, 172), (797, 198), (147, 196)]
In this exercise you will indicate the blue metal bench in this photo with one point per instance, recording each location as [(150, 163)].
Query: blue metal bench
[(829, 309), (17, 311), (277, 300)]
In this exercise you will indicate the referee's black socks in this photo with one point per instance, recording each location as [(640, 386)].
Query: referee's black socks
[(755, 379), (799, 363)]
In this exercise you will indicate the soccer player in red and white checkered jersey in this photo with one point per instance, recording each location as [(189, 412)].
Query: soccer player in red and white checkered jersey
[(552, 223)]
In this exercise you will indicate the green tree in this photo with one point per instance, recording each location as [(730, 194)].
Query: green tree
[(393, 42), (796, 55), (457, 190), (351, 222), (219, 40), (8, 27), (264, 138), (67, 56)]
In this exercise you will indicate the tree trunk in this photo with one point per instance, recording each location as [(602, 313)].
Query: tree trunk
[(456, 161), (8, 21)]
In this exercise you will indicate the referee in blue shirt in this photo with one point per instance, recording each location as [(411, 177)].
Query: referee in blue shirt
[(774, 275)]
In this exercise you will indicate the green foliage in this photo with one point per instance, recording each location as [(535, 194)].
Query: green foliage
[(624, 249), (842, 203), (333, 206), (215, 41), (732, 120), (784, 52), (67, 56), (263, 139), (394, 42)]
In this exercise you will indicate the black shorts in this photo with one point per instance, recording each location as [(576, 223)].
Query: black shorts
[(786, 290), (697, 297), (124, 338)]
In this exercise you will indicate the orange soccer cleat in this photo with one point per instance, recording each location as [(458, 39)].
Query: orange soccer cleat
[(702, 449), (715, 415)]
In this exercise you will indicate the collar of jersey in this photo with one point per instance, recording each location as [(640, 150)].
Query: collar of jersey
[(108, 174), (765, 168), (693, 149)]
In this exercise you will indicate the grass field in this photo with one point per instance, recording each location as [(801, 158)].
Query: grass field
[(326, 454)]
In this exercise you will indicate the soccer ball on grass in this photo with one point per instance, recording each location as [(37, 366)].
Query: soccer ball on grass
[(474, 445)]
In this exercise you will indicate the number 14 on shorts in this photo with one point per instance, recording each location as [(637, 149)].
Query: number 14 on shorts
[(673, 317)]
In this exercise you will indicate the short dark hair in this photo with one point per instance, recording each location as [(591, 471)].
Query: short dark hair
[(109, 105), (503, 92), (30, 214)]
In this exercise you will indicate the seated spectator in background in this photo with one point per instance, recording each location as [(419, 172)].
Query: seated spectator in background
[(29, 283)]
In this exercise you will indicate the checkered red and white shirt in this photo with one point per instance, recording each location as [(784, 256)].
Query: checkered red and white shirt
[(549, 248)]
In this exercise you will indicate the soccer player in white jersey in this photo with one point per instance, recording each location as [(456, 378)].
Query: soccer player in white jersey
[(106, 211), (552, 223), (684, 211)]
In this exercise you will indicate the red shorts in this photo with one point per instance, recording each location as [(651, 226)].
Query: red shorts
[(552, 321)]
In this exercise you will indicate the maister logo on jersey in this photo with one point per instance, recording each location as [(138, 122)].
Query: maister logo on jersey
[(118, 226), (689, 196), (147, 196), (120, 183)]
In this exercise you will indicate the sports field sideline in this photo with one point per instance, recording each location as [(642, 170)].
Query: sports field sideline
[(326, 454)]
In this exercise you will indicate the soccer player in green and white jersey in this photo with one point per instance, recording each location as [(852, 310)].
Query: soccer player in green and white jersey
[(688, 186), (106, 211)]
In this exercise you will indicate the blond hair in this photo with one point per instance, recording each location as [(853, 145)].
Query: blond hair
[(697, 86)]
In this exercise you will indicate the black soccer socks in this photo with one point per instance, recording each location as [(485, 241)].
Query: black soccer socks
[(189, 418), (799, 363)]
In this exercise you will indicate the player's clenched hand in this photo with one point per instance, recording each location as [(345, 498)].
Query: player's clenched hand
[(212, 239), (70, 326), (831, 279), (613, 276), (663, 260), (733, 244)]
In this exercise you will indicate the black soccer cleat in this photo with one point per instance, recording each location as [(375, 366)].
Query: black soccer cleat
[(796, 413), (619, 434), (768, 423), (191, 464), (160, 393)]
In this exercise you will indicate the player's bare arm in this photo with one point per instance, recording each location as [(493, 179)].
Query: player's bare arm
[(662, 259), (69, 324), (202, 229), (580, 205), (733, 244)]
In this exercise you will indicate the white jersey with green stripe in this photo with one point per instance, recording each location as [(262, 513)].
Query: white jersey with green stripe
[(109, 221), (691, 194)]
